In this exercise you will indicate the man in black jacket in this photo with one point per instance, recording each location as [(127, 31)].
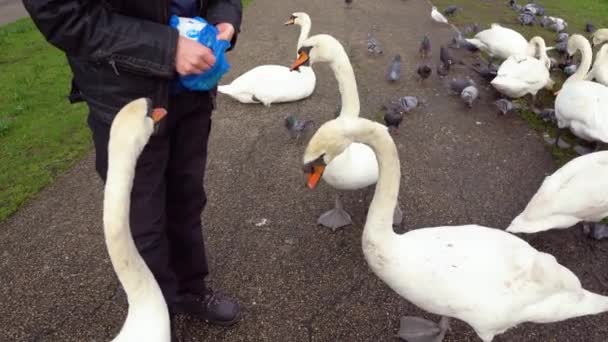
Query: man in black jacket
[(122, 50)]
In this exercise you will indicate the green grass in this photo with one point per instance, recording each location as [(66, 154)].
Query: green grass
[(41, 134), (576, 13)]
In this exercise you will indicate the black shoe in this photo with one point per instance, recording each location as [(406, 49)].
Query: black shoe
[(213, 308)]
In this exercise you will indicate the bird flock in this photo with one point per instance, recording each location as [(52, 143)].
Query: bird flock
[(487, 277)]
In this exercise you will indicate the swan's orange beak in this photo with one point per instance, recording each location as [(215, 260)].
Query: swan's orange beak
[(158, 114), (302, 59), (315, 176), (290, 21)]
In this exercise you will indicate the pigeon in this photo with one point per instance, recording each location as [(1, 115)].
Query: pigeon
[(590, 28), (438, 17), (393, 116), (562, 47), (545, 21), (450, 10), (445, 57), (458, 85), (596, 231), (442, 69), (394, 69), (505, 106), (408, 103), (373, 47), (488, 72), (526, 19), (469, 95), (470, 29), (562, 37), (296, 126), (570, 69), (534, 9), (558, 24), (547, 114), (424, 71), (511, 3), (425, 47), (458, 41)]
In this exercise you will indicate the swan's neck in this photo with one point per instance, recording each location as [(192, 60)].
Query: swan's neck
[(379, 224), (143, 293), (586, 59), (304, 32), (347, 84)]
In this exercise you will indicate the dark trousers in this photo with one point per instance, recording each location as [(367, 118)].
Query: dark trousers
[(168, 195)]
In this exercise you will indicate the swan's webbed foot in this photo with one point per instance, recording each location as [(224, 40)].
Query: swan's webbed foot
[(417, 329), (334, 219), (397, 216)]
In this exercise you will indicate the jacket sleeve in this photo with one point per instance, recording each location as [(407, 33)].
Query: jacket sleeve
[(226, 11), (87, 29)]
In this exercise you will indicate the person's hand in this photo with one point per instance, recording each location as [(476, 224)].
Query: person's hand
[(192, 57), (226, 31)]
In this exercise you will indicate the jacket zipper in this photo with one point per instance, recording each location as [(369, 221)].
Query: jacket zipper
[(113, 64)]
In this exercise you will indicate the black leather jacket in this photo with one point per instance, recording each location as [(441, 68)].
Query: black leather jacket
[(120, 50)]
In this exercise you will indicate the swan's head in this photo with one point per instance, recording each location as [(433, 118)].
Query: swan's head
[(577, 42), (134, 124), (600, 36), (298, 18), (328, 142), (318, 49)]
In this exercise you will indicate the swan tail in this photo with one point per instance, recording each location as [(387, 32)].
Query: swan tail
[(475, 42), (227, 89), (570, 305)]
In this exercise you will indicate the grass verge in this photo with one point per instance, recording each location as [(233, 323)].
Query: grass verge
[(41, 134)]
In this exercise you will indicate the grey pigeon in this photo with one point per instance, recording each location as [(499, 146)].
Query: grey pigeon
[(562, 37), (558, 24), (469, 95), (547, 114), (373, 47), (296, 126), (505, 106), (562, 47), (393, 116), (596, 231), (408, 103), (590, 28), (534, 9), (446, 57), (545, 21), (458, 85), (424, 71), (488, 72), (394, 69), (470, 29), (526, 19), (458, 42), (570, 69), (450, 10), (425, 47), (442, 69)]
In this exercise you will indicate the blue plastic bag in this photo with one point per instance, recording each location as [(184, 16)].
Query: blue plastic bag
[(199, 30)]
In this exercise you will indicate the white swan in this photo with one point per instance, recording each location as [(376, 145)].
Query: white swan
[(599, 71), (582, 105), (501, 42), (269, 84), (574, 193), (487, 277), (356, 167), (148, 316), (520, 75)]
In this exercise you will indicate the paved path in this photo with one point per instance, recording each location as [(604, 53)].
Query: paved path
[(11, 10), (298, 282)]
